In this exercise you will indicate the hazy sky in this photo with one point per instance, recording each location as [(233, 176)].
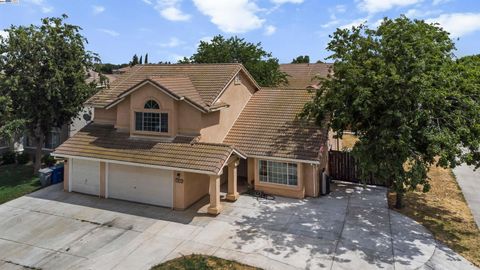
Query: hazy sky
[(171, 29)]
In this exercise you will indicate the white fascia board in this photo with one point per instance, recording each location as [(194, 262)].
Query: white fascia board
[(133, 164)]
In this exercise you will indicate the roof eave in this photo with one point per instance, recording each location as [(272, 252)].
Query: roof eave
[(57, 155), (161, 88), (245, 71), (312, 161)]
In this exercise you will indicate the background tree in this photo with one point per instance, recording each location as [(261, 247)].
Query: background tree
[(146, 58), (134, 60), (261, 64), (9, 126), (44, 69), (301, 59), (141, 60), (409, 102), (107, 68)]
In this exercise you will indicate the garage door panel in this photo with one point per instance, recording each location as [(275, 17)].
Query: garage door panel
[(140, 184), (86, 176)]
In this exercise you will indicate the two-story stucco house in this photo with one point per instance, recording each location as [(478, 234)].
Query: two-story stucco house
[(169, 134)]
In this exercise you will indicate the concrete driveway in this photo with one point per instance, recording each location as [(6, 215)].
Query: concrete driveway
[(350, 229), (469, 182)]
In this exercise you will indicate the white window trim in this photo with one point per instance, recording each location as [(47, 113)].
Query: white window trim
[(273, 183), (159, 112)]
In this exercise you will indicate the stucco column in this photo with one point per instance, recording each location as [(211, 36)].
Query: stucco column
[(214, 208), (232, 194)]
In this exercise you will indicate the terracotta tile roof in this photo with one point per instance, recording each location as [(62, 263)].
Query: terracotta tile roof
[(181, 86), (93, 75), (268, 126), (104, 142), (301, 75), (207, 80)]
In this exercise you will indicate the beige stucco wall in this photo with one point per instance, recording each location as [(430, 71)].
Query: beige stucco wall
[(217, 124), (308, 180), (297, 191), (104, 116), (123, 115), (189, 119), (251, 170), (189, 188), (183, 117), (196, 187), (167, 104)]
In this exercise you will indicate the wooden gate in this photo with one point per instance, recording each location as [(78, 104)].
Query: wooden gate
[(342, 166)]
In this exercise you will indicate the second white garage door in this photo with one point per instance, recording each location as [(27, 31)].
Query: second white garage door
[(140, 184)]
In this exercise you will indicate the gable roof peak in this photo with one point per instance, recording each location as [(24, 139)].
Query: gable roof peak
[(202, 83)]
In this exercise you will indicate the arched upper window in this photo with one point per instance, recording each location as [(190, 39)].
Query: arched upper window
[(151, 104)]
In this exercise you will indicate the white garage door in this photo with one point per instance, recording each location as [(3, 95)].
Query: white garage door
[(86, 176), (140, 184)]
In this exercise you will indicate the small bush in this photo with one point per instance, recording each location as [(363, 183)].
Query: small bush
[(8, 157), (23, 158), (48, 160)]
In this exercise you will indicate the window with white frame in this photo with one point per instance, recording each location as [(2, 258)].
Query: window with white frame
[(52, 140), (149, 120), (278, 172)]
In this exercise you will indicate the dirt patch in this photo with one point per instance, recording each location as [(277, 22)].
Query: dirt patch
[(444, 211)]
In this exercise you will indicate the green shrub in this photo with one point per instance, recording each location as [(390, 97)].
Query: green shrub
[(48, 160), (23, 158), (8, 157)]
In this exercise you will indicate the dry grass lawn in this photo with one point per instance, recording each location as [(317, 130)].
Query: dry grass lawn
[(445, 213), (348, 141), (201, 262)]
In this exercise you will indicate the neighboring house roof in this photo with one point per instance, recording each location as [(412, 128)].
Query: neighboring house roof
[(199, 83), (93, 75), (302, 75), (105, 143), (268, 127)]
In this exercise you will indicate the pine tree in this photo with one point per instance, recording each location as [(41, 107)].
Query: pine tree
[(146, 58), (141, 61), (134, 60)]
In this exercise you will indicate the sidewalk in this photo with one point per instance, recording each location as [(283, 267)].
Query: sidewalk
[(469, 181)]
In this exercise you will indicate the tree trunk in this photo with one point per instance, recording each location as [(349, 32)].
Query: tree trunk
[(39, 140), (399, 200)]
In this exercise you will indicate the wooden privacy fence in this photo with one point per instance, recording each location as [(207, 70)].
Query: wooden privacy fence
[(342, 166)]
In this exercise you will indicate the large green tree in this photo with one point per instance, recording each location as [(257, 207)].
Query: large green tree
[(260, 63), (9, 126), (399, 88), (44, 70)]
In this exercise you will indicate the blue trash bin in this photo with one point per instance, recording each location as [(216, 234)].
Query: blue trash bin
[(57, 173)]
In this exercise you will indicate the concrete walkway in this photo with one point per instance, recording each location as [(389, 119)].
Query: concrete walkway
[(469, 181), (350, 229)]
